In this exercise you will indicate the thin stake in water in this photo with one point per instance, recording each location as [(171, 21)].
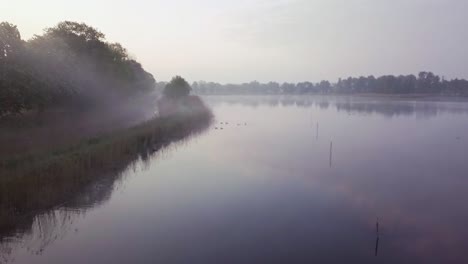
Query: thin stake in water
[(317, 134), (377, 240)]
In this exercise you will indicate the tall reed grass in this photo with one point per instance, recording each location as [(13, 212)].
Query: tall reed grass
[(36, 183)]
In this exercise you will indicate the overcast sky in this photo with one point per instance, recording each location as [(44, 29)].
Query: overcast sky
[(278, 40)]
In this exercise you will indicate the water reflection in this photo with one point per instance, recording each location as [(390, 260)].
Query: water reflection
[(361, 105), (409, 171), (367, 189), (32, 222)]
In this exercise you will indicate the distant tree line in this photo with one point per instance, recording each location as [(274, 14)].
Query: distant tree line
[(424, 83), (69, 65)]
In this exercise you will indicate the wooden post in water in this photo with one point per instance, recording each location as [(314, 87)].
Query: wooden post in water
[(377, 246), (377, 240), (377, 226), (316, 137)]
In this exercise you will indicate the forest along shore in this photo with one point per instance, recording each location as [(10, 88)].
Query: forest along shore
[(67, 84)]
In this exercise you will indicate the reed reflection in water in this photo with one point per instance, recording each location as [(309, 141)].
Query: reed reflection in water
[(30, 221)]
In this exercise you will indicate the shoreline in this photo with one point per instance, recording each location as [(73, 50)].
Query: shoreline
[(405, 97), (41, 182)]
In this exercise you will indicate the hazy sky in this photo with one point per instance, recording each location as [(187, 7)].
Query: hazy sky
[(279, 40)]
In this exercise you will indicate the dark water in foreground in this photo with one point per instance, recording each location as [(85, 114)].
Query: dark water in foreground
[(266, 189)]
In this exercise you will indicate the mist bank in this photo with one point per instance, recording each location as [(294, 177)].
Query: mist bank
[(426, 83), (68, 66), (35, 184), (45, 177)]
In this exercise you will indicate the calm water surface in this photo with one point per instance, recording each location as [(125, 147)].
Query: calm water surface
[(287, 180)]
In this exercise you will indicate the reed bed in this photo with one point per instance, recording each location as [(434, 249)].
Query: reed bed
[(37, 183)]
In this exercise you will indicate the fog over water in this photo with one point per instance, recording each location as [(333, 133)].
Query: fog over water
[(266, 187)]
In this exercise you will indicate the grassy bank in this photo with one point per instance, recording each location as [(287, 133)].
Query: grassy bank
[(53, 129), (36, 183)]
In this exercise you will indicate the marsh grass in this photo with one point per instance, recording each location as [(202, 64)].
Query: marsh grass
[(34, 184)]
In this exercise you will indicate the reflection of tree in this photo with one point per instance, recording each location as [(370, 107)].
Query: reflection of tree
[(385, 107), (399, 108), (34, 228), (323, 104)]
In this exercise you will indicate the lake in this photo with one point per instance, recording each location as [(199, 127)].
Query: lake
[(281, 180)]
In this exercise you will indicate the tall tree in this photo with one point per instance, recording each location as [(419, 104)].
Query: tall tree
[(178, 87), (10, 40)]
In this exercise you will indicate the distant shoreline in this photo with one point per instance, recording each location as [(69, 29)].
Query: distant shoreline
[(406, 97), (418, 97)]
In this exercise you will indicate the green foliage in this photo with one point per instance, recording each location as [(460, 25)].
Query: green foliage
[(177, 88), (72, 30), (10, 40), (69, 65)]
